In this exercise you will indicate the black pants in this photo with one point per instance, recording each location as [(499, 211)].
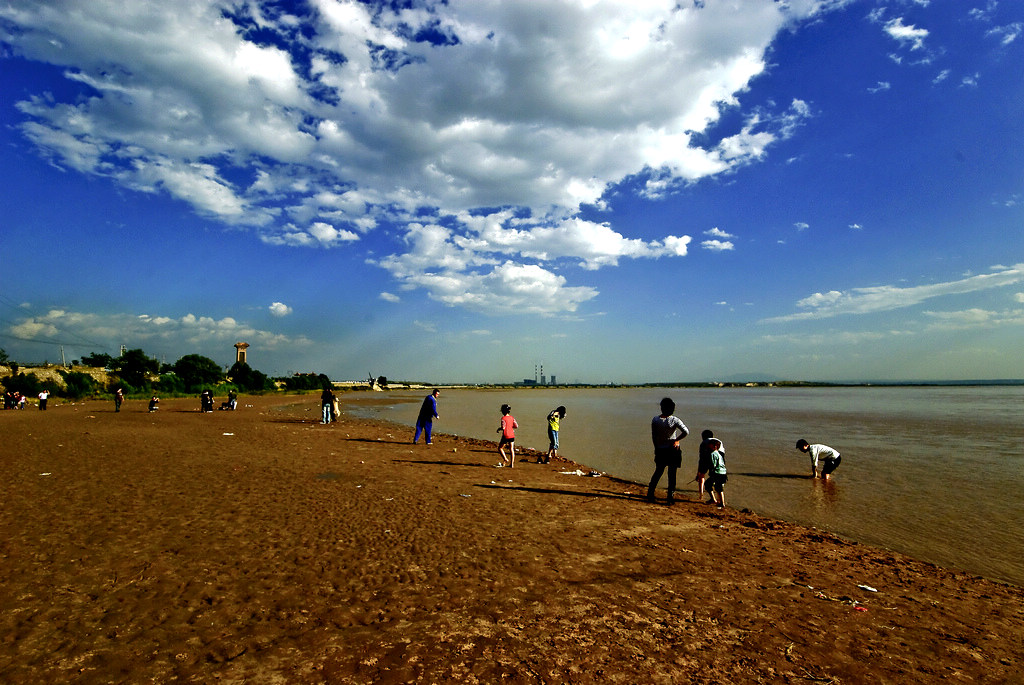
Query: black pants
[(670, 458)]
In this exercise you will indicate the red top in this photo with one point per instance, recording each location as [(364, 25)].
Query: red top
[(508, 426)]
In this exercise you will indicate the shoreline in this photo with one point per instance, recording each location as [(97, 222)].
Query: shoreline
[(262, 545)]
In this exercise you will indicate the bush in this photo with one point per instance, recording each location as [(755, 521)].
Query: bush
[(170, 384), (307, 381), (78, 385), (27, 384)]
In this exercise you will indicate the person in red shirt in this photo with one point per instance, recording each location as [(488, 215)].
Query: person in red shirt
[(508, 436)]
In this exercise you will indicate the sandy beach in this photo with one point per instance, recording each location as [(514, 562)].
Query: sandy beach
[(261, 546)]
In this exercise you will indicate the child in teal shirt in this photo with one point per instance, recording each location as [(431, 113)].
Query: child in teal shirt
[(717, 475)]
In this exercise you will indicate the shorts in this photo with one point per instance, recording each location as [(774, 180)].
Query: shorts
[(716, 481), (553, 439), (830, 464), (505, 441), (671, 457), (704, 463)]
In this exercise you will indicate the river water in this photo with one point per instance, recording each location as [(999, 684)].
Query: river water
[(935, 472)]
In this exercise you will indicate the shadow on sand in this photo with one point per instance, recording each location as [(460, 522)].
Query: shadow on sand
[(551, 491), (771, 475)]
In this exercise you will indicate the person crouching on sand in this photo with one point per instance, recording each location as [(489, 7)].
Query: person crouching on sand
[(828, 457), (507, 428)]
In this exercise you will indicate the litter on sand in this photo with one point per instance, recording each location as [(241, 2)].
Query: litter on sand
[(579, 472), (868, 588), (228, 433)]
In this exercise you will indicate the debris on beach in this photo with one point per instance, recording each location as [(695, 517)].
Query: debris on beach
[(579, 472), (868, 588)]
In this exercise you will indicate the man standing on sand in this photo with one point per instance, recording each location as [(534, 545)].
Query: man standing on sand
[(44, 395), (118, 399), (829, 458), (326, 406), (425, 421), (666, 432)]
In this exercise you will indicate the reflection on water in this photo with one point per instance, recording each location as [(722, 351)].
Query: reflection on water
[(929, 471)]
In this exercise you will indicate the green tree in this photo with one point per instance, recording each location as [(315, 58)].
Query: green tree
[(135, 368), (97, 359), (3, 356), (307, 381), (249, 379), (196, 371)]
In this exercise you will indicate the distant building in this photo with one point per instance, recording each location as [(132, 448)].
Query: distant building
[(240, 355)]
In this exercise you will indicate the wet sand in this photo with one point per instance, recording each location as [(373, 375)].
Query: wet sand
[(261, 546)]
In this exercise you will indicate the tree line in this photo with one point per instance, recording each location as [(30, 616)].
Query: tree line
[(139, 374)]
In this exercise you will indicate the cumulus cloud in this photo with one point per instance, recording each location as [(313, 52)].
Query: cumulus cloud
[(109, 331), (887, 297), (314, 124), (718, 233), (280, 309), (717, 245), (389, 297)]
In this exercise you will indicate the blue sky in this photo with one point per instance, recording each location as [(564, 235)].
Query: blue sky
[(461, 191)]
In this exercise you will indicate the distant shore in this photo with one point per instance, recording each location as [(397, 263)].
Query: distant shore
[(260, 545)]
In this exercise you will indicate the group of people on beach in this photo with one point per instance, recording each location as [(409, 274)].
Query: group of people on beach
[(14, 400), (507, 426), (667, 430)]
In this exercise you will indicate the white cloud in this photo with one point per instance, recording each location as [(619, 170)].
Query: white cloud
[(801, 225), (389, 297), (344, 121), (280, 309), (718, 233), (974, 318), (856, 227), (717, 245), (887, 297), (183, 335), (1018, 297), (970, 81), (882, 86), (1007, 34), (907, 35)]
